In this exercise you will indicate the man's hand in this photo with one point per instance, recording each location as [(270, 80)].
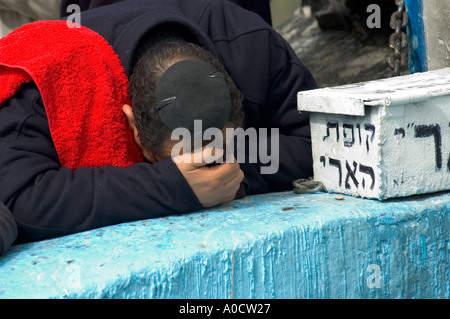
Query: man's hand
[(212, 184)]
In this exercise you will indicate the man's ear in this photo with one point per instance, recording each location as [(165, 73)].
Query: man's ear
[(130, 117), (129, 114)]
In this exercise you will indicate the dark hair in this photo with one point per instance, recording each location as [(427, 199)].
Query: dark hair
[(153, 63)]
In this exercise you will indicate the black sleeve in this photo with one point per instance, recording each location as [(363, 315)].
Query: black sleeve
[(287, 76), (271, 78), (8, 229), (48, 200), (269, 74)]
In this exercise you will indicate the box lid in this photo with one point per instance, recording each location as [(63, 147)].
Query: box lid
[(351, 99)]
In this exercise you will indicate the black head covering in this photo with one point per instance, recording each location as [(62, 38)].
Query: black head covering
[(192, 90)]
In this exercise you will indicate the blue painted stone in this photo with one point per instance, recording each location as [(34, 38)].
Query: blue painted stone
[(416, 35), (279, 245)]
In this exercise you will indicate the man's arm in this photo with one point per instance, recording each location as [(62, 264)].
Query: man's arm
[(269, 74), (287, 76), (8, 229), (48, 200), (274, 77)]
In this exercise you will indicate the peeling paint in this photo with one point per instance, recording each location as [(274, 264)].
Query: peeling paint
[(328, 249)]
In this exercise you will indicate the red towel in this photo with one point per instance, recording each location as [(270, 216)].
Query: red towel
[(83, 85)]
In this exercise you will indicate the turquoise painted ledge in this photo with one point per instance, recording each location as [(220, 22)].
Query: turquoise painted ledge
[(279, 245)]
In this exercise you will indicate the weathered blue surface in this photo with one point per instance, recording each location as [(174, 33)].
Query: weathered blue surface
[(416, 36), (272, 246)]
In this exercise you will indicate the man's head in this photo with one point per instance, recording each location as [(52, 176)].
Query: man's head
[(163, 101)]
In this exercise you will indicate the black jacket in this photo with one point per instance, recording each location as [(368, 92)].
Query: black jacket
[(48, 200), (8, 229), (261, 7)]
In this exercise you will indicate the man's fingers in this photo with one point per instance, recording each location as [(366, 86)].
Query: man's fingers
[(228, 172), (201, 158), (234, 183), (232, 188), (212, 184)]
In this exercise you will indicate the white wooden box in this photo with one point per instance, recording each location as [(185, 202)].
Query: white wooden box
[(382, 139)]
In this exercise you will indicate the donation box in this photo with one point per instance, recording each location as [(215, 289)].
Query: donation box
[(382, 139)]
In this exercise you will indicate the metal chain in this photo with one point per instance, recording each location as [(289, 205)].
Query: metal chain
[(398, 41)]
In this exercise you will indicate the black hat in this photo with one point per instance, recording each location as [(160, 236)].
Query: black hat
[(192, 90)]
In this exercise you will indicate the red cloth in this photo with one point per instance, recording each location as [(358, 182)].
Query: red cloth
[(83, 85)]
